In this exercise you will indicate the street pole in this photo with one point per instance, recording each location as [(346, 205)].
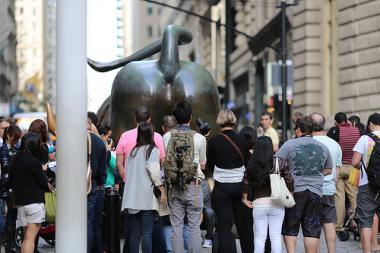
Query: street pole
[(284, 78), (71, 218), (228, 42)]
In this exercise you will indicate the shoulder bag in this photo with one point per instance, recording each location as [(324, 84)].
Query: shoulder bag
[(280, 192), (235, 146)]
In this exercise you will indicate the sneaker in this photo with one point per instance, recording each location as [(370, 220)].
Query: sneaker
[(207, 243)]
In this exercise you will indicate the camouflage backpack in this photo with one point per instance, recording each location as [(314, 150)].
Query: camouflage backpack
[(179, 165)]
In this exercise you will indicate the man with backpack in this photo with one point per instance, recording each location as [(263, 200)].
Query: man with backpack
[(366, 158), (185, 157)]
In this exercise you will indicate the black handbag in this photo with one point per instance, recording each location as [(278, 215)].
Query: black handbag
[(156, 191)]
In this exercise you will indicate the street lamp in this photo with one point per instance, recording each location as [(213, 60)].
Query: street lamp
[(283, 51)]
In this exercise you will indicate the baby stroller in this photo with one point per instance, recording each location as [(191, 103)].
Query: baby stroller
[(350, 226), (47, 232)]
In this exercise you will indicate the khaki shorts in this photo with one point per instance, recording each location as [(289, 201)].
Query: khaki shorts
[(33, 213)]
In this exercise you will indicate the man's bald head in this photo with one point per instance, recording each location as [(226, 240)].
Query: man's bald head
[(169, 123), (318, 121)]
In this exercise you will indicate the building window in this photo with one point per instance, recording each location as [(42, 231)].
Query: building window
[(149, 10), (150, 31), (21, 10)]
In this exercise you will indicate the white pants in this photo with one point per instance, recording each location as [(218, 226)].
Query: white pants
[(264, 216)]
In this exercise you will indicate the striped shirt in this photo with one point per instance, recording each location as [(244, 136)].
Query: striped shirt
[(348, 137)]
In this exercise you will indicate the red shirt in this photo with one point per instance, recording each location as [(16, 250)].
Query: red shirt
[(348, 137)]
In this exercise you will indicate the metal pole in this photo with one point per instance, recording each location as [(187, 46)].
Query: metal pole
[(228, 51), (284, 78), (71, 219)]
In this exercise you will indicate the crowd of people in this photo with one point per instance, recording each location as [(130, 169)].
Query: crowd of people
[(25, 177), (175, 184)]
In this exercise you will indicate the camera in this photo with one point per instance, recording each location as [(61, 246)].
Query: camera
[(204, 127), (179, 152)]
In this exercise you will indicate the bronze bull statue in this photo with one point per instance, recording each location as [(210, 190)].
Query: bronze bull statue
[(157, 84)]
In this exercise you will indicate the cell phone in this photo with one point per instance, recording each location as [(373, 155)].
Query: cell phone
[(109, 141)]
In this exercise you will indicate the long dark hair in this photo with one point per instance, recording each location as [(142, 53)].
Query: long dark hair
[(39, 126), (249, 134), (145, 136), (261, 163), (31, 144)]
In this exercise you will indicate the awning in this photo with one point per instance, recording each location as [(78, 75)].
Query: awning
[(268, 34)]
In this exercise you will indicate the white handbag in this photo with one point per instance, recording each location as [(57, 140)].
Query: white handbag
[(280, 192)]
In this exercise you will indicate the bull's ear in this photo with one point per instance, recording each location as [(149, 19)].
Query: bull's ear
[(169, 60)]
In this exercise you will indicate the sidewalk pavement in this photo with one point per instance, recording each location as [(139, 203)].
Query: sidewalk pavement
[(349, 246)]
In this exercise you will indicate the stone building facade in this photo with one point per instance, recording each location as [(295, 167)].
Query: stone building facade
[(359, 56), (335, 49), (8, 64)]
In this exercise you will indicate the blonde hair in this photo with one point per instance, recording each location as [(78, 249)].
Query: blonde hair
[(226, 118)]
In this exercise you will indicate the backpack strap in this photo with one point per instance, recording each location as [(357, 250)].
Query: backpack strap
[(234, 145), (374, 137), (376, 140)]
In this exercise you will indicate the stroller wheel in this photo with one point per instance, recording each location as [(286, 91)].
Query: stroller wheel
[(19, 236), (50, 242), (343, 235)]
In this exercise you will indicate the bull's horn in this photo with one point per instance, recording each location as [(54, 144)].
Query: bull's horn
[(51, 119)]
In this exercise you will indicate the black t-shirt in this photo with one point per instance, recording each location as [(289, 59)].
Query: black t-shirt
[(221, 152), (28, 180), (98, 160)]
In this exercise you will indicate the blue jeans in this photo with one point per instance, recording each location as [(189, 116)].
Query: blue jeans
[(158, 240), (167, 230), (2, 217), (141, 225), (95, 203), (127, 232)]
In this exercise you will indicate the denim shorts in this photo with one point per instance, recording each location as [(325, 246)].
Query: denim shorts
[(307, 212), (367, 206)]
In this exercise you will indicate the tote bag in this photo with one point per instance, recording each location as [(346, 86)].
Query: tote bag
[(50, 206), (280, 192)]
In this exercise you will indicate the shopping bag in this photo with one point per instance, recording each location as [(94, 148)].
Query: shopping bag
[(50, 206), (354, 177), (280, 192)]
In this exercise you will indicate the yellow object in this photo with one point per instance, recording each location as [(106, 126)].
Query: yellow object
[(354, 177), (50, 206)]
